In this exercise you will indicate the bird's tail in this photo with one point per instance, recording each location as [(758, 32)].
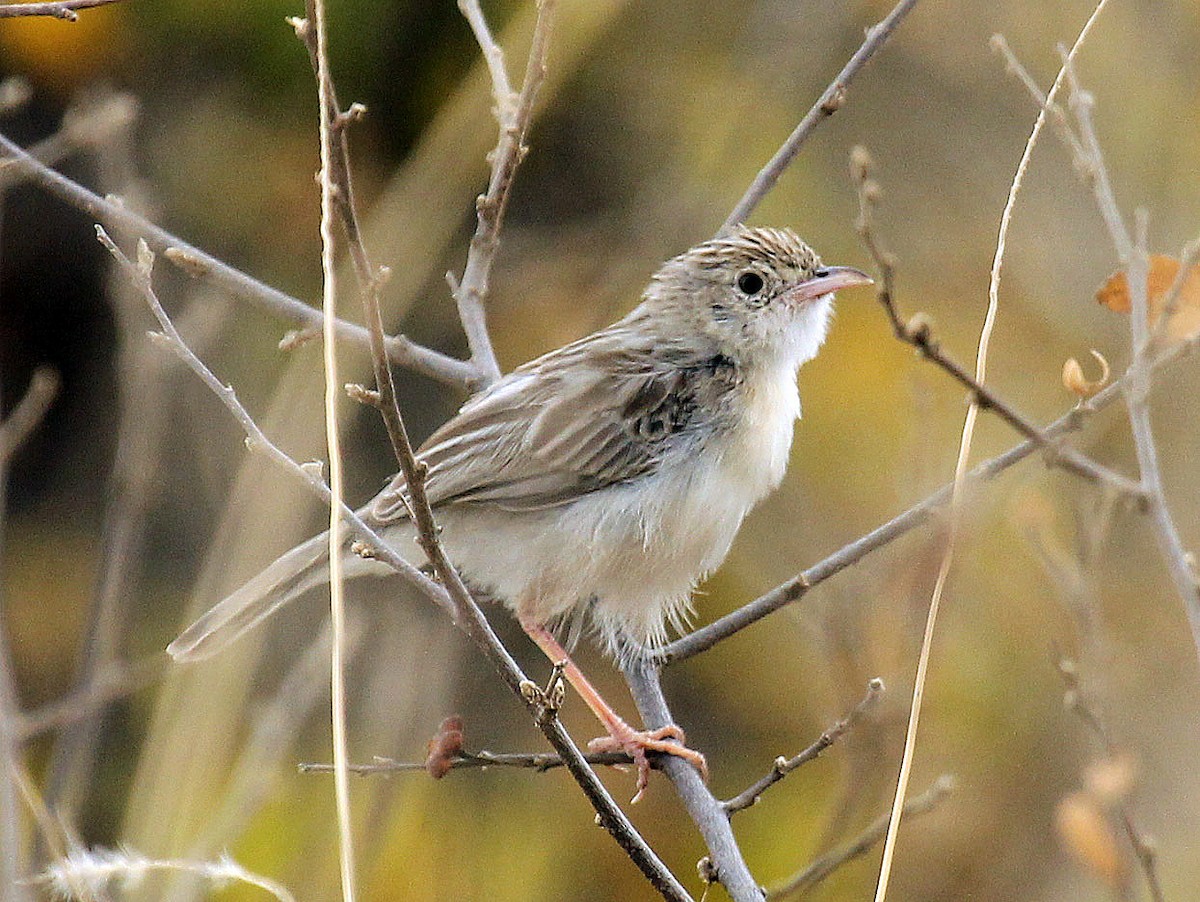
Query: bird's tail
[(290, 576)]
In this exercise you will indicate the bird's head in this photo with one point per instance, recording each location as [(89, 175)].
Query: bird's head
[(761, 294)]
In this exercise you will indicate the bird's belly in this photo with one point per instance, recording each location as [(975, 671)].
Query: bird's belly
[(633, 552)]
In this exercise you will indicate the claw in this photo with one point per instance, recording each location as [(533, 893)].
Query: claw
[(668, 740)]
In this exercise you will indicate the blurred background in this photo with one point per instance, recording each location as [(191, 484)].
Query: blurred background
[(135, 505)]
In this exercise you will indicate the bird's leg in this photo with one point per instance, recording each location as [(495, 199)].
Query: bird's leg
[(621, 736)]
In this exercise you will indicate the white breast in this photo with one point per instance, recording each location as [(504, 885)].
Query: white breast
[(637, 549)]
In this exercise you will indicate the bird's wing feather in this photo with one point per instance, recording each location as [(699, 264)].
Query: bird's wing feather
[(596, 413)]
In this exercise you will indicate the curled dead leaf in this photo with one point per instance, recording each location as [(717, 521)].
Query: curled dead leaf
[(1184, 322), (1079, 385)]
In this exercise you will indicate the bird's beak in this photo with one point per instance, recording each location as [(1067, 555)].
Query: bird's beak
[(827, 280)]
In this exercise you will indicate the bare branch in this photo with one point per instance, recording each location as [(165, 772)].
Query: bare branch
[(29, 412), (918, 333), (197, 263), (514, 118), (726, 863), (827, 864), (59, 9), (784, 766), (827, 104), (795, 588), (1137, 394), (538, 761), (502, 91), (1089, 160)]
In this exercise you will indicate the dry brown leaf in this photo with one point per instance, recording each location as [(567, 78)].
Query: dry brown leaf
[(1088, 834), (1185, 322)]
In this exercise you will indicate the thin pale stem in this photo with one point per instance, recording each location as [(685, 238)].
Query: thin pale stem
[(333, 393)]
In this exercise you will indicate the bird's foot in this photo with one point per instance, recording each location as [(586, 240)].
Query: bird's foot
[(638, 744)]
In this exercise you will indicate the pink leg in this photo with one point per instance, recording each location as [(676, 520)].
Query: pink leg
[(621, 736)]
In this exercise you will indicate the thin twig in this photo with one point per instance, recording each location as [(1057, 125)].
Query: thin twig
[(784, 766), (256, 440), (29, 413), (830, 862), (701, 640), (1143, 848), (1089, 160), (1137, 395), (918, 333), (59, 9), (538, 761), (195, 262), (827, 104), (514, 116)]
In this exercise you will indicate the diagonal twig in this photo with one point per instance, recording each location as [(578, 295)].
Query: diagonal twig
[(918, 333), (190, 259), (783, 766), (830, 862), (1082, 141), (827, 104), (792, 590)]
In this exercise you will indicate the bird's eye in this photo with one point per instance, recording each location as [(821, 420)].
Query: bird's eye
[(749, 283)]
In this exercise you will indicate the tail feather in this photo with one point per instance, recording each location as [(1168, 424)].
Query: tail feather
[(290, 576)]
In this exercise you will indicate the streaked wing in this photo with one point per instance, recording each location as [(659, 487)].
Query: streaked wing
[(595, 413)]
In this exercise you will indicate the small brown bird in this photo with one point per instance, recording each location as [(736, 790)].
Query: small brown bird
[(596, 485)]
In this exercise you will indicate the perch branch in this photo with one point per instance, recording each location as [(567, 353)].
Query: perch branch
[(726, 864)]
